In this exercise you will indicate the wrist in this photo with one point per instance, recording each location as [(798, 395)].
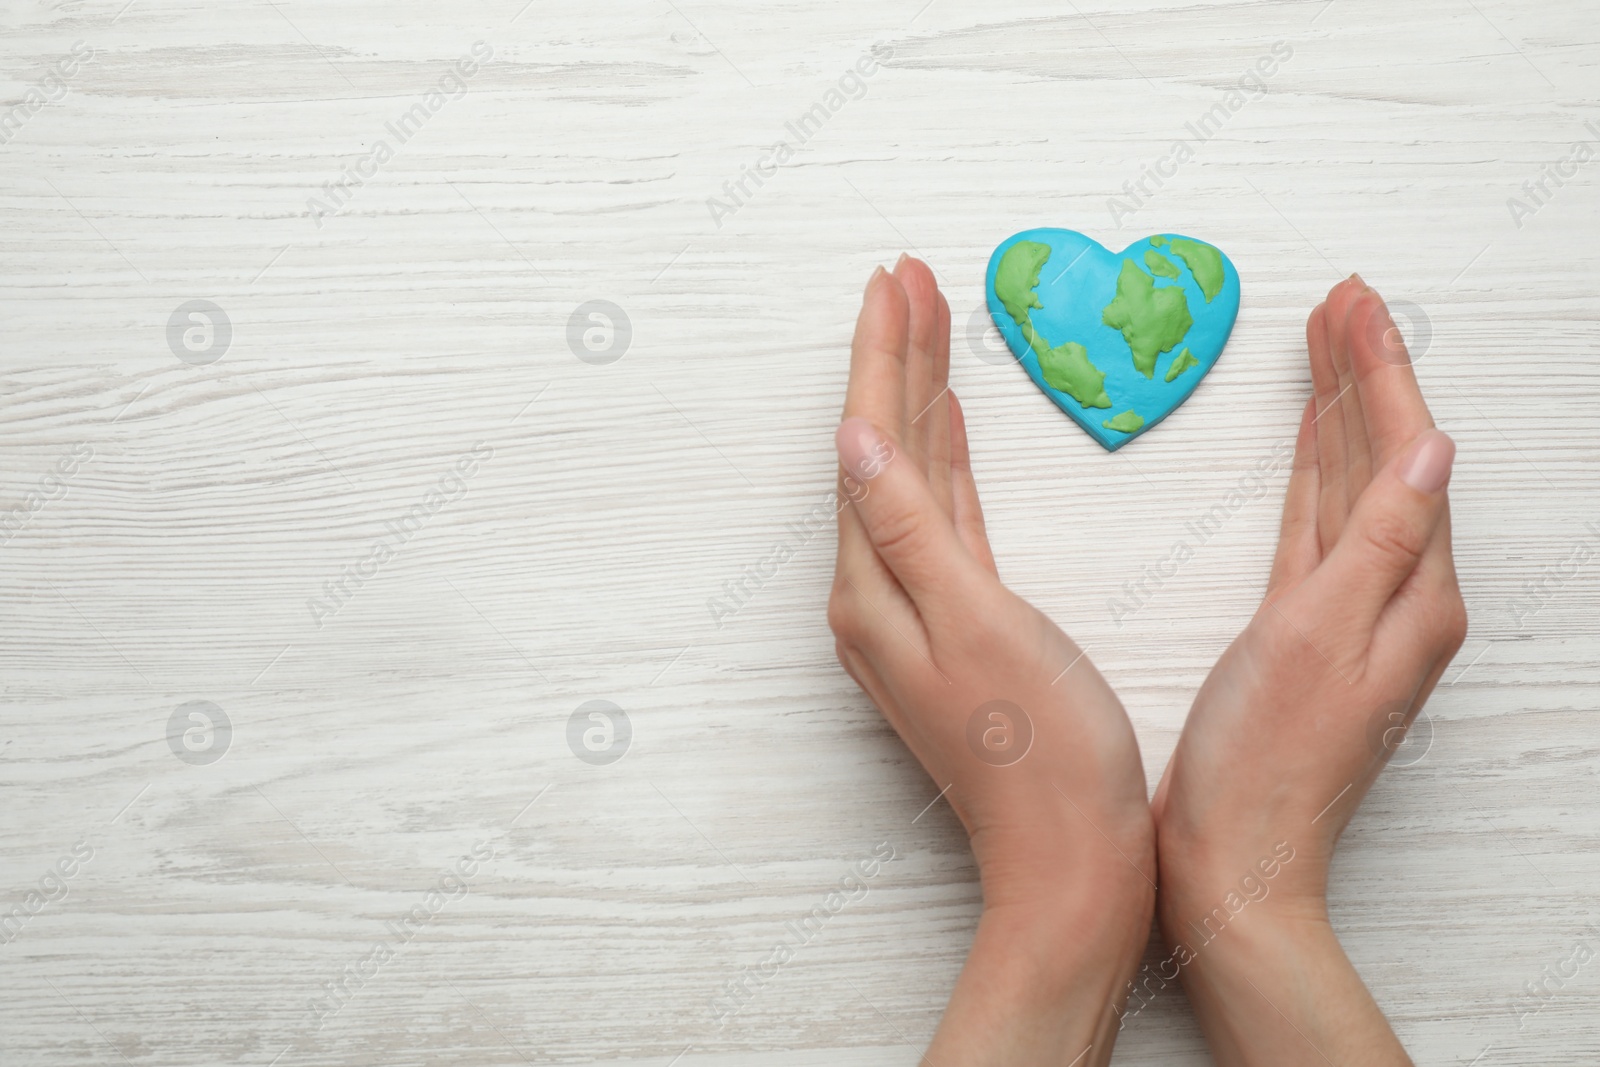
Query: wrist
[(1045, 982), (1055, 858), (1275, 987), (1204, 891), (1216, 928), (1088, 922), (1257, 940)]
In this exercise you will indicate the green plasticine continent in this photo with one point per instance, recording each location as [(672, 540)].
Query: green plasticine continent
[(1127, 422), (1065, 367), (1205, 263), (1160, 265), (1182, 362), (1014, 283), (1068, 369), (1152, 320), (1157, 241)]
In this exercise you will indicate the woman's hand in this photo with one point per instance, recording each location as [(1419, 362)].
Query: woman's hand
[(1001, 708), (1361, 617)]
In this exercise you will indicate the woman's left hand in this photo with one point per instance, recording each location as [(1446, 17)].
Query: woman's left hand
[(1002, 708)]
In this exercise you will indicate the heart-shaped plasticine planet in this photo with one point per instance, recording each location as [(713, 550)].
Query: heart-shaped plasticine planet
[(1117, 340)]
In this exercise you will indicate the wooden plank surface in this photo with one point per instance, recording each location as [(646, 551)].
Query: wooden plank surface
[(399, 356)]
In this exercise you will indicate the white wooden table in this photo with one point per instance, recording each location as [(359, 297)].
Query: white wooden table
[(194, 531)]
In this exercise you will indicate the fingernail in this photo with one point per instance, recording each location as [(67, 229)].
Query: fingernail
[(861, 448), (1426, 467), (877, 272), (900, 262), (1357, 279)]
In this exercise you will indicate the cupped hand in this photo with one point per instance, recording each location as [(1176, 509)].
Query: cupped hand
[(1033, 749), (1362, 614)]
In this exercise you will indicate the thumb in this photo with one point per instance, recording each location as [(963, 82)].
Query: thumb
[(908, 528), (1391, 526)]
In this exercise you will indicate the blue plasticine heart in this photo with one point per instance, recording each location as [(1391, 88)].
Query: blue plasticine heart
[(1117, 340)]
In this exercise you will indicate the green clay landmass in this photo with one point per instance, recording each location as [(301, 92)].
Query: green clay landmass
[(1157, 241), (1068, 369), (1180, 363), (1015, 280), (1205, 263), (1160, 265), (1127, 422), (1152, 320), (1064, 367)]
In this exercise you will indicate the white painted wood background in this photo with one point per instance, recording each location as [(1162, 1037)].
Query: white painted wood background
[(369, 354)]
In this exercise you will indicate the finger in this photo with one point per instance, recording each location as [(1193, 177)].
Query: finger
[(1439, 560), (938, 414), (1438, 566), (884, 630), (875, 391), (878, 356), (1299, 549), (1426, 617), (1390, 397), (921, 292), (1388, 532), (1358, 452), (1158, 802), (965, 506), (1425, 621), (1333, 505), (867, 609), (908, 530), (858, 563)]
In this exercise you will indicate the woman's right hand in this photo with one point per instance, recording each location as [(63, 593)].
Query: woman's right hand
[(1361, 616)]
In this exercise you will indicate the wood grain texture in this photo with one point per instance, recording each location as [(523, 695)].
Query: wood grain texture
[(430, 316)]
